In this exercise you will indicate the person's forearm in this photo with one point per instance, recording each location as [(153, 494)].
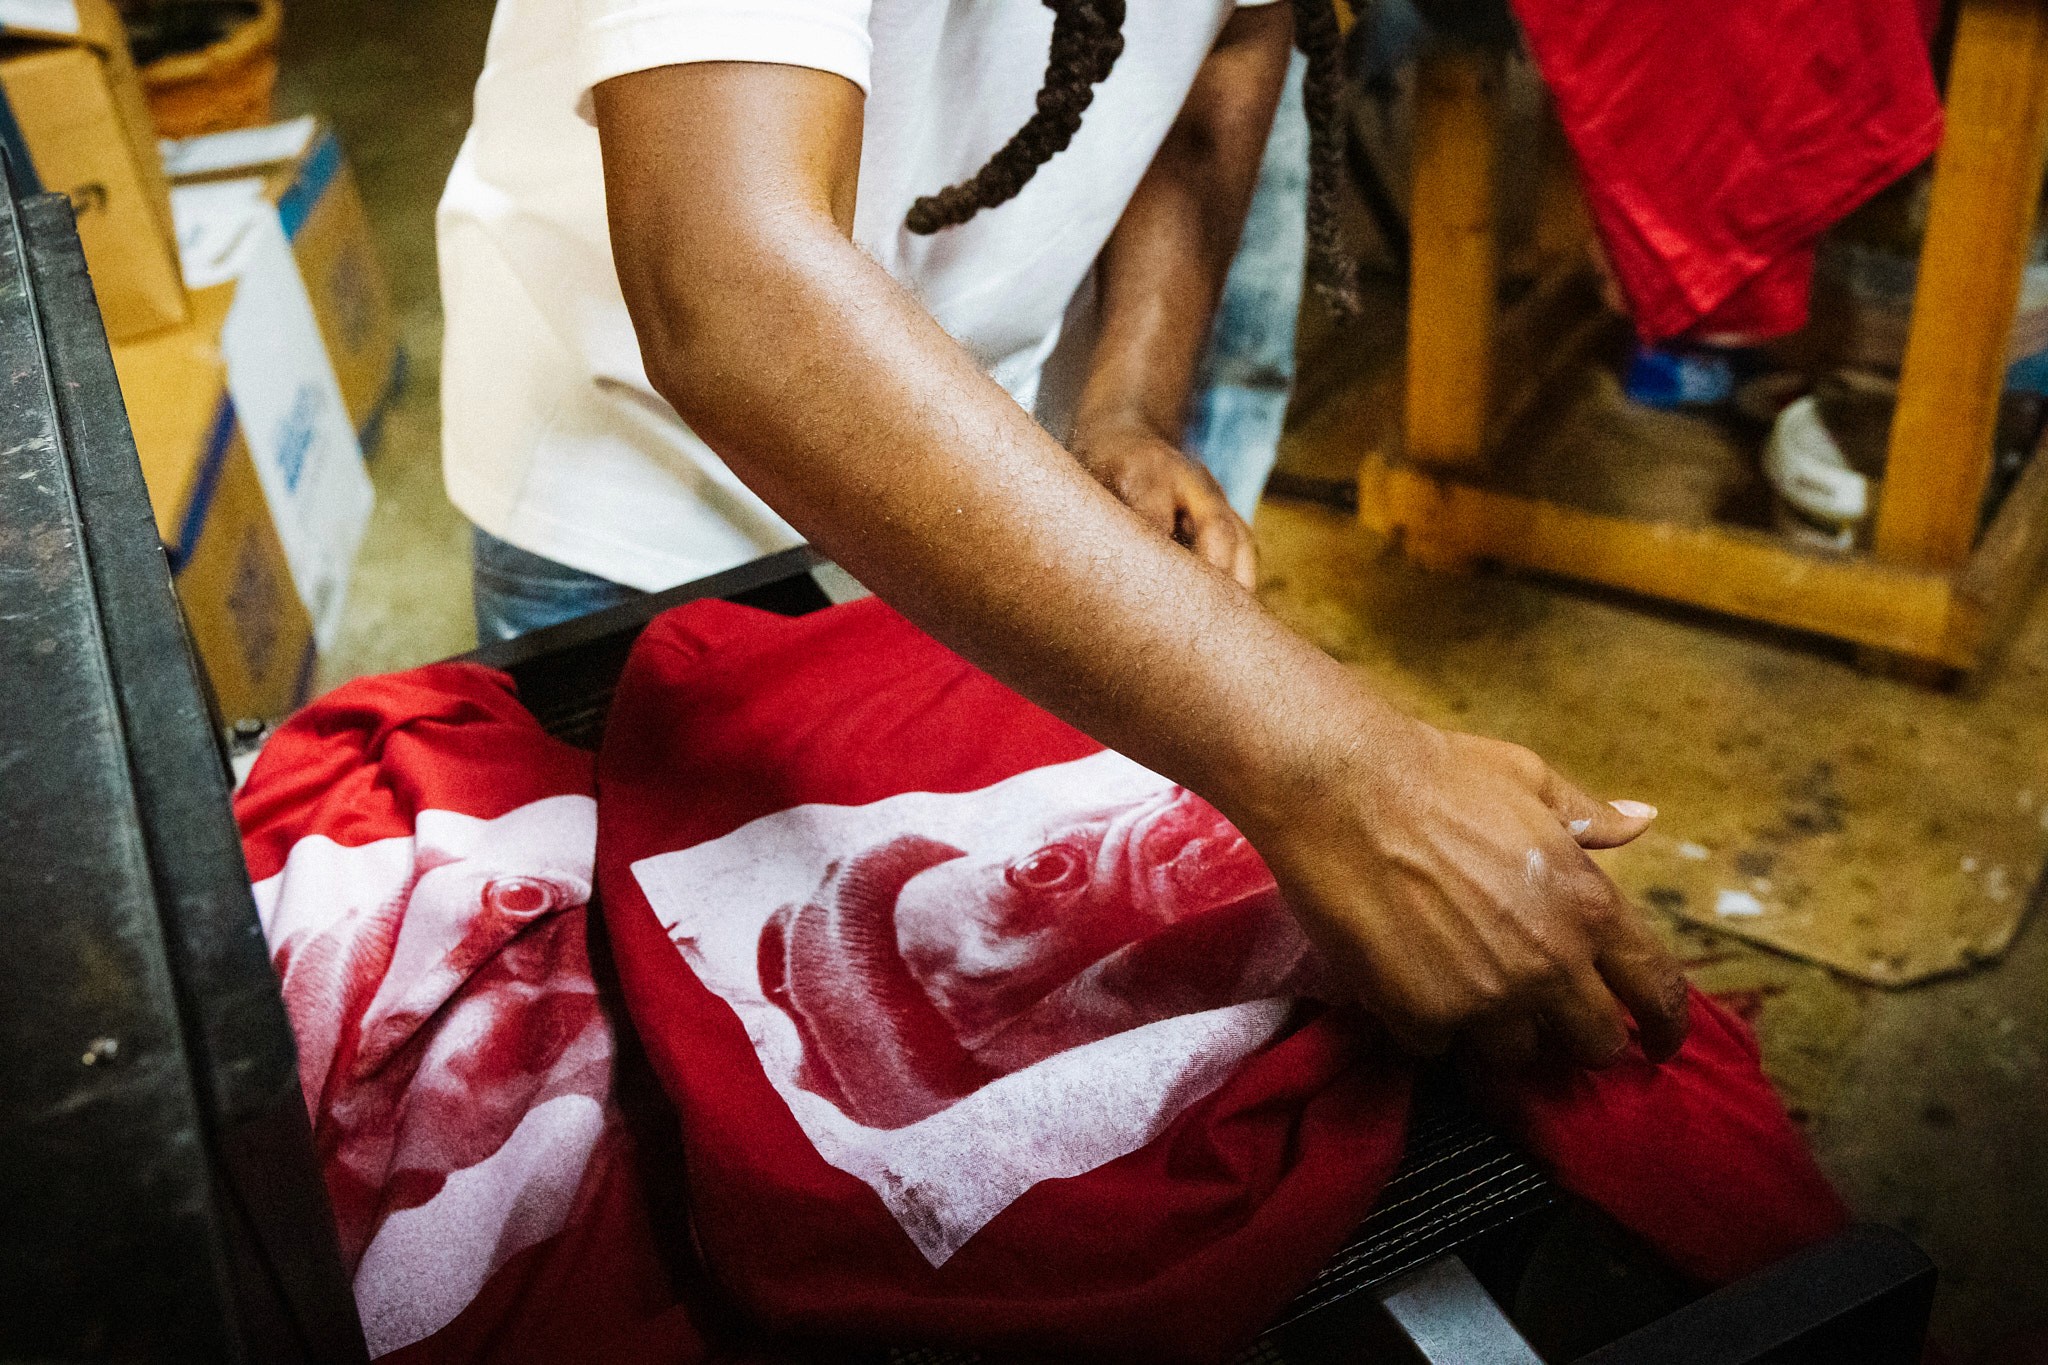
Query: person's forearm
[(929, 483), (1161, 273), (1443, 876), (836, 397)]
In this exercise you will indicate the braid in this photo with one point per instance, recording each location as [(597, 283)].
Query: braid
[(1087, 38), (1332, 271)]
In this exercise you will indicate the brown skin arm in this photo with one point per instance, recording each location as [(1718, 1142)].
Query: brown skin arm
[(1160, 276), (1436, 870)]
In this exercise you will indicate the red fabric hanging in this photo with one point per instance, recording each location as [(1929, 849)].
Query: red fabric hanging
[(1717, 142), (980, 1034)]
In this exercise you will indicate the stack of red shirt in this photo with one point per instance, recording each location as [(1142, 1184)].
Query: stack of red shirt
[(974, 1033)]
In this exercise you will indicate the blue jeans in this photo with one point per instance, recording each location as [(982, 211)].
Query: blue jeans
[(1246, 378), (515, 591)]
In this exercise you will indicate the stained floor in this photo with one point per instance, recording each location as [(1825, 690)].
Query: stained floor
[(1928, 1105)]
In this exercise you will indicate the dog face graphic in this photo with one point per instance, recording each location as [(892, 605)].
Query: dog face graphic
[(961, 994), (919, 969)]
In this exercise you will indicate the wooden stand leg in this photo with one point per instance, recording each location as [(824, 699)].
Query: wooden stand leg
[(1438, 556), (1452, 298), (1930, 598), (1409, 510), (1562, 227), (1904, 668), (1987, 179)]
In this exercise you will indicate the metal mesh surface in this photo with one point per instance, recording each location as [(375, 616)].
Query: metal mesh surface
[(1458, 1181)]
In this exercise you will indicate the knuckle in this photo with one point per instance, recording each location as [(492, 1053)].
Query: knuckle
[(1555, 978), (1527, 760), (1553, 968), (1591, 895), (1489, 991), (1546, 946), (1527, 970), (1599, 913)]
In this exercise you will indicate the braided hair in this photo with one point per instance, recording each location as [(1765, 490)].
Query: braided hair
[(1087, 39)]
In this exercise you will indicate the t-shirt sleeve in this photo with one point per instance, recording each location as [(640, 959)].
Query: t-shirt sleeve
[(622, 36)]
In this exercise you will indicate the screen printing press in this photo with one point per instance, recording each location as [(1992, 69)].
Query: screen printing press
[(160, 1193)]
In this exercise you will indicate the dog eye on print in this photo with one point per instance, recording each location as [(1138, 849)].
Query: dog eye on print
[(961, 994)]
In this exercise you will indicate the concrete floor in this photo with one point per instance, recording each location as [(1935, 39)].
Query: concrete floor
[(1929, 1105), (395, 77)]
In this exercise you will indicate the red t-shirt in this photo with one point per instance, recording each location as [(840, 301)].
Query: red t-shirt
[(982, 1034), (1716, 143), (422, 860)]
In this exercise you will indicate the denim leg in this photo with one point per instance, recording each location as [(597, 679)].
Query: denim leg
[(515, 591), (1242, 389)]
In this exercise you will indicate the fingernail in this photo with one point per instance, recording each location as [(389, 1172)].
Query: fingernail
[(1635, 810)]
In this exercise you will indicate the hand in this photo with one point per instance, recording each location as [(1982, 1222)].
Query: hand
[(1174, 494), (1449, 888)]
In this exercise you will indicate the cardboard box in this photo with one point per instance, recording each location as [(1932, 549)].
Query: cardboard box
[(254, 636), (301, 443), (73, 120), (321, 210)]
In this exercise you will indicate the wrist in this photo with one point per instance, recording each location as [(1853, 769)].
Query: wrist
[(1103, 424), (1331, 744)]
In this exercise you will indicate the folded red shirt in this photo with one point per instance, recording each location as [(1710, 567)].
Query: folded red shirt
[(1717, 142), (422, 856), (981, 1034)]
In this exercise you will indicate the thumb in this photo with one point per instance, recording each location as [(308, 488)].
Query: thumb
[(1219, 536), (1596, 824)]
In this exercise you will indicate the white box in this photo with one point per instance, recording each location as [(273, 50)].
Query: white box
[(283, 387)]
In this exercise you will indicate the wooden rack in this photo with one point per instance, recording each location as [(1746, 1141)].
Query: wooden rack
[(1929, 589)]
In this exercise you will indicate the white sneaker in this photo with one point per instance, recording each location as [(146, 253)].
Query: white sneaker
[(1827, 499)]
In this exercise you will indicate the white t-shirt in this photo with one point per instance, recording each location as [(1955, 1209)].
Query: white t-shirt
[(553, 438)]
